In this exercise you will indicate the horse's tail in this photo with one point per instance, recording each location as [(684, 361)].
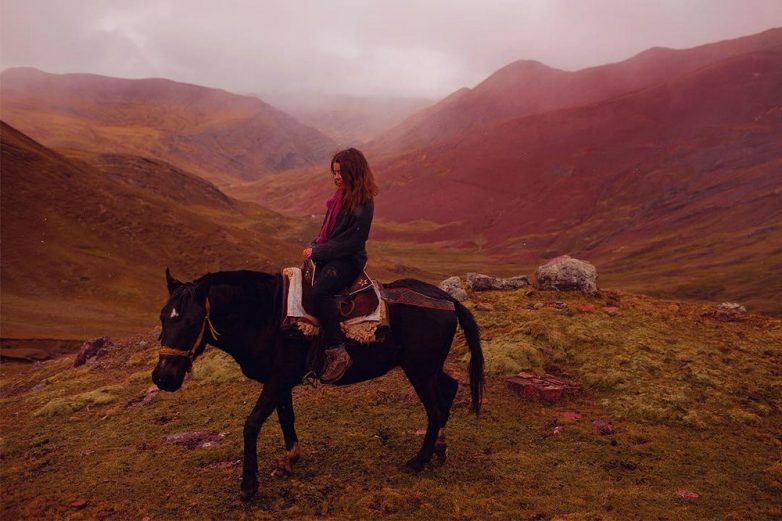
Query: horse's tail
[(472, 334)]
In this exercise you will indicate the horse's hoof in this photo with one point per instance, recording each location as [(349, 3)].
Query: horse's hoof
[(413, 466), (248, 491), (441, 452), (281, 471)]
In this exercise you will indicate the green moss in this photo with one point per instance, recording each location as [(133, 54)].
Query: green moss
[(69, 405), (744, 416), (146, 358), (216, 367), (140, 376), (697, 420), (510, 356)]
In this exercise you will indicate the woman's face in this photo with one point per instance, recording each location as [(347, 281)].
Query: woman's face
[(337, 176)]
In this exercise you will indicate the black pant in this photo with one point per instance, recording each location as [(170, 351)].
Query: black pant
[(331, 278)]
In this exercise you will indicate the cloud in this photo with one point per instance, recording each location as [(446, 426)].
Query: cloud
[(382, 47)]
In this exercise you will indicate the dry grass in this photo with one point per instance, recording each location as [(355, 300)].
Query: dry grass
[(695, 404)]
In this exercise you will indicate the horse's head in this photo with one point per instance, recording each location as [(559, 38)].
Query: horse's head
[(184, 320)]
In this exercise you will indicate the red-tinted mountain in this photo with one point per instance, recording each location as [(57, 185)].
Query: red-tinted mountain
[(581, 150), (672, 189), (529, 87), (86, 238), (213, 133)]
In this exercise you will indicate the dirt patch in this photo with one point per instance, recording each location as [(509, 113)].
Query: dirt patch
[(29, 350)]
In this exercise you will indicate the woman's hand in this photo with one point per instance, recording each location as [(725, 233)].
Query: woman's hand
[(307, 253)]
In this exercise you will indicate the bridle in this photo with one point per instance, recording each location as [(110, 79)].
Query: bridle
[(191, 354)]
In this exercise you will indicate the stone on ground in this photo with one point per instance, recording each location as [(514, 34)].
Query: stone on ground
[(565, 273), (453, 286), (728, 312), (200, 439), (547, 389), (91, 349), (480, 282)]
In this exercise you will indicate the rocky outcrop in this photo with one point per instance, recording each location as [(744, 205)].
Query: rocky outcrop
[(565, 273), (453, 286), (728, 312), (480, 282), (94, 348), (547, 389)]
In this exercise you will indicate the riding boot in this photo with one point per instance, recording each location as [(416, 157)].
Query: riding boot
[(337, 362)]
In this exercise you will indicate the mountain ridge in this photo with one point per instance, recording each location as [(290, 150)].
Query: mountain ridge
[(481, 105), (214, 133)]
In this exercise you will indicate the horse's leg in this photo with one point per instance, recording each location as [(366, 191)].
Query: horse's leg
[(267, 402), (426, 388), (447, 387), (284, 466)]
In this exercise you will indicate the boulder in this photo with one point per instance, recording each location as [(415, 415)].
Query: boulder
[(453, 286), (728, 312), (92, 348), (480, 282), (565, 273)]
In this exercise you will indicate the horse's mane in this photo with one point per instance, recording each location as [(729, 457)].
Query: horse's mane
[(239, 277), (255, 292)]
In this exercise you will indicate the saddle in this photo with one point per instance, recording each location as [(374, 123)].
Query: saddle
[(363, 305), (356, 300), (360, 306)]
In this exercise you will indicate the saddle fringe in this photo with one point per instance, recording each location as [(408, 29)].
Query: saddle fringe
[(360, 330)]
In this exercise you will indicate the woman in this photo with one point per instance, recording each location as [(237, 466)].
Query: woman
[(339, 251)]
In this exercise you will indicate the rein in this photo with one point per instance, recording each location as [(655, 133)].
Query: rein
[(168, 351)]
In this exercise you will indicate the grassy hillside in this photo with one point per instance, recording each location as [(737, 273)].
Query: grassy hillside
[(695, 405), (215, 134), (86, 238)]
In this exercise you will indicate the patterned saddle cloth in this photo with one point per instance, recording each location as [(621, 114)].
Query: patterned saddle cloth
[(360, 306), (363, 305)]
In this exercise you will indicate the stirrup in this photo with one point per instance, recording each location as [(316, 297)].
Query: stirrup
[(311, 379)]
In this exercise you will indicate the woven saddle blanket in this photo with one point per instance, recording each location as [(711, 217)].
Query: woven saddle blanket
[(363, 305), (362, 310)]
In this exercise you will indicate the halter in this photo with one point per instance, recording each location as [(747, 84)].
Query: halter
[(168, 351)]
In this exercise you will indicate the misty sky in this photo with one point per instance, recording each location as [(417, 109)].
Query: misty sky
[(424, 48)]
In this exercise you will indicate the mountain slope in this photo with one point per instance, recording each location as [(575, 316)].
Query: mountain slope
[(215, 134), (528, 87), (86, 239), (671, 188)]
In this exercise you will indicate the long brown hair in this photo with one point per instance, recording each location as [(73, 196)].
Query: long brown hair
[(357, 178)]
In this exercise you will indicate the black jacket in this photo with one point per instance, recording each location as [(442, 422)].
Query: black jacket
[(348, 238)]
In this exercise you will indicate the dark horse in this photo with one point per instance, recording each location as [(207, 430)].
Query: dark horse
[(240, 312)]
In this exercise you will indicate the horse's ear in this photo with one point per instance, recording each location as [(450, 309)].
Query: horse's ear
[(171, 282)]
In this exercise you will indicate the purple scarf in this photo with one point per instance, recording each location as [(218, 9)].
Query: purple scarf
[(334, 206)]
